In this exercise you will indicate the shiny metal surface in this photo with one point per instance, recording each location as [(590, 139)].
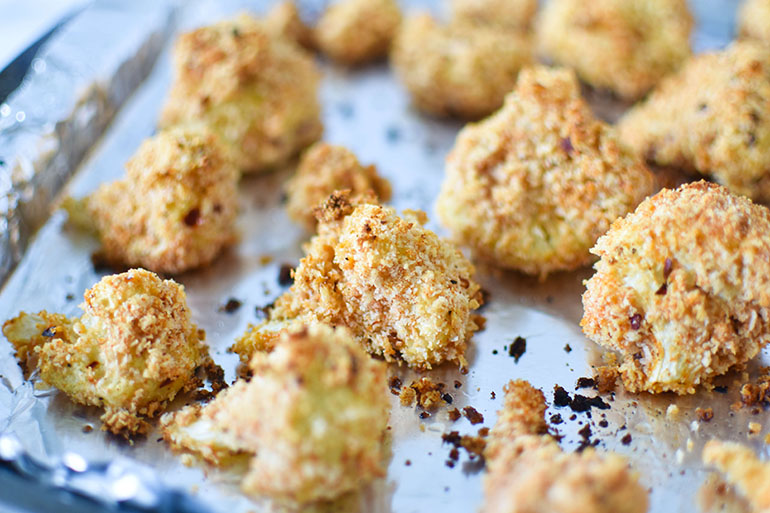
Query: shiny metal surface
[(367, 111)]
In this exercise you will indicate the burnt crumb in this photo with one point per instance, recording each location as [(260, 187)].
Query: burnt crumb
[(585, 431), (585, 383), (230, 306), (567, 348), (453, 438), (69, 297), (662, 290), (556, 419), (483, 431), (426, 393), (447, 398), (458, 384), (603, 423), (394, 383), (494, 351), (454, 454), (572, 417), (473, 415), (517, 348), (702, 106), (636, 321), (87, 428), (566, 145), (408, 463), (585, 438), (560, 396), (454, 415), (424, 415), (492, 395), (50, 331), (474, 445), (193, 217), (393, 134), (721, 389), (285, 278), (450, 463), (263, 312), (2, 163), (626, 439), (704, 414)]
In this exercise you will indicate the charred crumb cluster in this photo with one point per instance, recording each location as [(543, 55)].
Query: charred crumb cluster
[(755, 395), (429, 396), (473, 445)]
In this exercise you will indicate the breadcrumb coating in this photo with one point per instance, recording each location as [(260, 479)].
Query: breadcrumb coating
[(527, 472), (257, 91), (324, 169), (174, 211), (625, 46), (682, 288), (315, 420), (754, 20), (509, 14), (712, 117), (133, 349), (742, 469), (534, 185), (283, 20), (461, 69), (355, 32), (404, 293)]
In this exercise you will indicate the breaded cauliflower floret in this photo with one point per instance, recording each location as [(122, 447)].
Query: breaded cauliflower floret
[(404, 293), (742, 469), (257, 91), (534, 185), (174, 211), (625, 46), (527, 472), (283, 20), (461, 69), (754, 20), (509, 14), (133, 349), (712, 117), (682, 288), (311, 419), (357, 31), (324, 169)]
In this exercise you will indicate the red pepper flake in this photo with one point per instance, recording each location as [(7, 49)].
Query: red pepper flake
[(473, 415), (636, 321)]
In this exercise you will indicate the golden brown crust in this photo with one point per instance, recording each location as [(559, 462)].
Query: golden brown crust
[(534, 185), (324, 169), (712, 117), (625, 46), (130, 353), (355, 32), (754, 20), (176, 208), (258, 92), (283, 20), (742, 469), (508, 14), (314, 424), (404, 293), (682, 288), (528, 472), (461, 69)]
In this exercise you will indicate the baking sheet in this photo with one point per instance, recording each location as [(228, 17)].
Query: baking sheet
[(367, 111)]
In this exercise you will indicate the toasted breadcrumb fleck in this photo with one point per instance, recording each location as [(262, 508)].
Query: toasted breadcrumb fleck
[(424, 391), (742, 469), (528, 472), (508, 14), (404, 293), (461, 69), (712, 117), (755, 428), (606, 378), (314, 425), (174, 211), (534, 185), (131, 352), (625, 46), (355, 32), (256, 91), (324, 169), (711, 249), (754, 20)]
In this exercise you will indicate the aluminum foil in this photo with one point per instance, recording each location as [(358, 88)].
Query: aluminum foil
[(367, 111)]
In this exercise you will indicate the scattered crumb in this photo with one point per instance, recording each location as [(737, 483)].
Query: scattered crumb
[(606, 378), (517, 348), (755, 428), (426, 393), (473, 415), (704, 414), (567, 348), (230, 306), (454, 415), (626, 439)]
